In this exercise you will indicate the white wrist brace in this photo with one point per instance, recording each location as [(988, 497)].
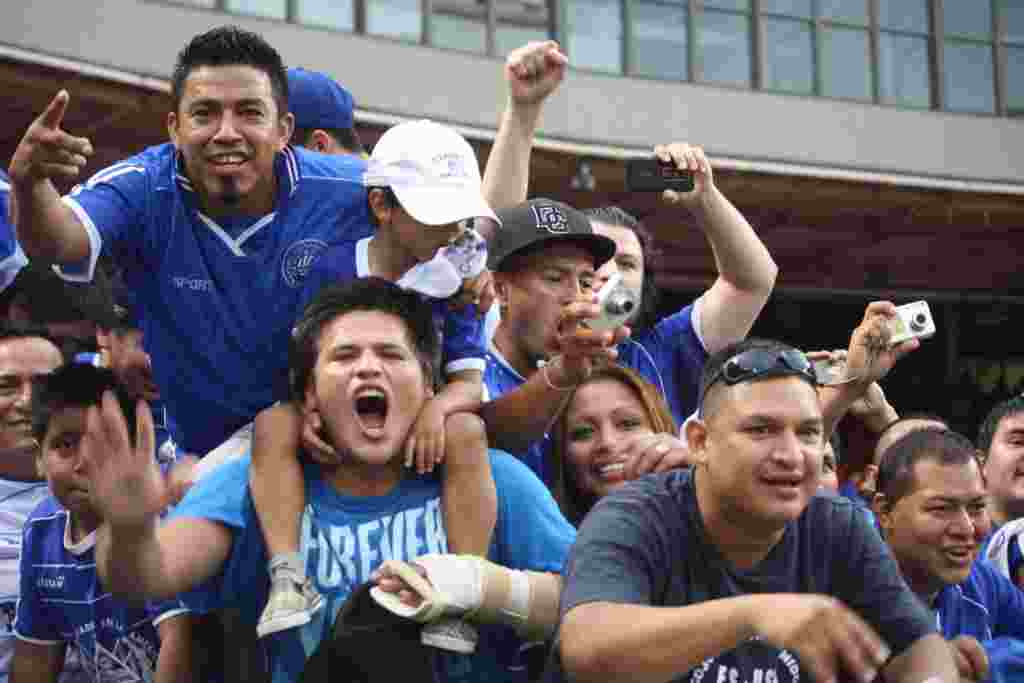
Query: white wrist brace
[(473, 588)]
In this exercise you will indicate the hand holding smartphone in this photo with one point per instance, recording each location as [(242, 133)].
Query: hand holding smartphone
[(654, 175)]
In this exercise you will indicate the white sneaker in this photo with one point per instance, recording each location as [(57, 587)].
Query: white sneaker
[(455, 635), (290, 604)]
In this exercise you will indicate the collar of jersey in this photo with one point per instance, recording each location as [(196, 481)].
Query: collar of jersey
[(286, 167), (496, 354)]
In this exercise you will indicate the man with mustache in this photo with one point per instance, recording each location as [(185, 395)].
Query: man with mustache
[(932, 509)]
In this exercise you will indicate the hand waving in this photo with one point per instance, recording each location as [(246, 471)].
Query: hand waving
[(46, 151), (127, 487)]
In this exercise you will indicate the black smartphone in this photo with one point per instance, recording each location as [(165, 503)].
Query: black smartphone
[(654, 175)]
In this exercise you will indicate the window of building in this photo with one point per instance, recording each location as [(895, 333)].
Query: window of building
[(724, 40), (904, 53), (788, 46), (271, 9), (659, 39), (400, 19), (967, 56), (1011, 20), (593, 34), (844, 50), (336, 14)]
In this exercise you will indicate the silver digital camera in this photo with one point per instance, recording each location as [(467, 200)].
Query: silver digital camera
[(617, 301), (914, 320)]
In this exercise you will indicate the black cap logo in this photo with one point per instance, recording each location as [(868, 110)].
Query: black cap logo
[(550, 218)]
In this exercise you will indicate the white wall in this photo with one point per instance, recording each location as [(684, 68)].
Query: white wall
[(395, 78)]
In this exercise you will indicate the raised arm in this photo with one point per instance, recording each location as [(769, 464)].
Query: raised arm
[(522, 416), (532, 72), (136, 557), (47, 228), (868, 359), (746, 271)]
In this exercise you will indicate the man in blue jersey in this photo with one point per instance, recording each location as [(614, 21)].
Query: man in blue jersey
[(214, 231), (62, 605), (544, 259), (362, 365), (932, 509)]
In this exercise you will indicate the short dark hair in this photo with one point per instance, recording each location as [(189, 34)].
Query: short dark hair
[(990, 425), (15, 330), (76, 385), (231, 46), (348, 138), (362, 294), (620, 218), (944, 446), (715, 361)]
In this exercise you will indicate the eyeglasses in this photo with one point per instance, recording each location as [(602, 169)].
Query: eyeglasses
[(756, 363)]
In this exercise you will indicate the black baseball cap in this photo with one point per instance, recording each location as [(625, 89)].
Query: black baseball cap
[(538, 222)]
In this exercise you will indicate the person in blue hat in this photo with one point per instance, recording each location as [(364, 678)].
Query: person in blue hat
[(323, 114)]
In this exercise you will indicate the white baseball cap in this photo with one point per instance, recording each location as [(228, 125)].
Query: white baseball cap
[(432, 170)]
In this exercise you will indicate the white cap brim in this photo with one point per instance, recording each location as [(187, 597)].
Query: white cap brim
[(433, 205)]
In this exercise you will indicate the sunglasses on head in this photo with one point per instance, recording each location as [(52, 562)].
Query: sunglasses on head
[(755, 363)]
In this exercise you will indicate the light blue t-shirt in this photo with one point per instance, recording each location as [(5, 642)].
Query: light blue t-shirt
[(345, 538), (217, 298)]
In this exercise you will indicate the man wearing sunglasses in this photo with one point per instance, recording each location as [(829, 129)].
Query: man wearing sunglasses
[(735, 570)]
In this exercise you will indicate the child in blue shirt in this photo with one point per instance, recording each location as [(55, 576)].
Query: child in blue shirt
[(62, 602)]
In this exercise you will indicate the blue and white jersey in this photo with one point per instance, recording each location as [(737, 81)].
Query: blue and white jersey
[(461, 329), (671, 356), (217, 298), (12, 258), (345, 538), (499, 379), (62, 601), (17, 501)]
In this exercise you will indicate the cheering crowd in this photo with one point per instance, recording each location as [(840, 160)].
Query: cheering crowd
[(367, 417)]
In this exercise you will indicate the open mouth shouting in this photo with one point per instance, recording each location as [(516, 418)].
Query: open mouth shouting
[(371, 409)]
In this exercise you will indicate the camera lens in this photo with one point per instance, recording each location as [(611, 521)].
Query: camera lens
[(627, 306), (919, 322)]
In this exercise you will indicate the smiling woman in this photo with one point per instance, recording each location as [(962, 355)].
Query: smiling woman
[(614, 427)]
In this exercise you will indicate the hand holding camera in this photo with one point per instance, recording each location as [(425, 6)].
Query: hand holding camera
[(679, 171), (617, 303), (872, 354)]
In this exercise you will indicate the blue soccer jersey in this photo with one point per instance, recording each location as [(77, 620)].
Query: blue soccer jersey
[(462, 330), (62, 601), (671, 356), (12, 258), (217, 298), (345, 538), (499, 379)]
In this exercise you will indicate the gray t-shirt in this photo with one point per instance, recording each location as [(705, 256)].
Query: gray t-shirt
[(646, 544)]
